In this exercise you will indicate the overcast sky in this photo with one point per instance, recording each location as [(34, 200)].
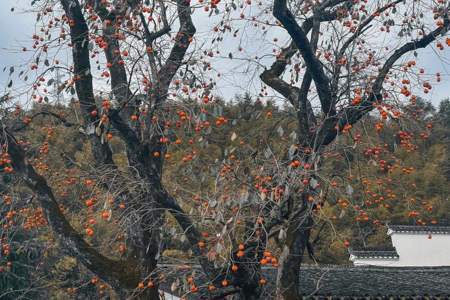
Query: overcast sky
[(17, 28)]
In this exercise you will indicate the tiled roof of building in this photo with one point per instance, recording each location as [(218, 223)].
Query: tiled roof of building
[(375, 281), (425, 229), (387, 253), (357, 282)]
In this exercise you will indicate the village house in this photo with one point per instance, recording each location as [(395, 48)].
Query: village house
[(416, 266), (412, 246)]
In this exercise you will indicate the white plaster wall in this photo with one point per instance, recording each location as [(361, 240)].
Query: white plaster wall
[(168, 296), (419, 250)]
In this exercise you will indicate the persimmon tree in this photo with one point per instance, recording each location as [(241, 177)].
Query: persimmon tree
[(149, 94), (349, 78), (100, 26)]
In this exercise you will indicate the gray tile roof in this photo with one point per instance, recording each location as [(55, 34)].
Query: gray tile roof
[(387, 253), (354, 282), (375, 281), (426, 229)]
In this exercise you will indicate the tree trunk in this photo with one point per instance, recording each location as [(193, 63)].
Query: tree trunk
[(249, 284), (288, 277), (145, 294), (250, 292)]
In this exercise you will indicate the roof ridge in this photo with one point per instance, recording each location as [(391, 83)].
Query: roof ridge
[(381, 268), (419, 228)]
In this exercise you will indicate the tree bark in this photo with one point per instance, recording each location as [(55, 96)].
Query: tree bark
[(251, 290), (291, 258)]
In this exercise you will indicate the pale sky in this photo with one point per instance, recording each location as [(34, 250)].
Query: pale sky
[(17, 28)]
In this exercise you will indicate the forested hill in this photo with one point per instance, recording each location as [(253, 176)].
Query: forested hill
[(395, 170)]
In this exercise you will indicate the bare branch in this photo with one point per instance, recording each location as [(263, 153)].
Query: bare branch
[(359, 31), (45, 113), (352, 114), (151, 36)]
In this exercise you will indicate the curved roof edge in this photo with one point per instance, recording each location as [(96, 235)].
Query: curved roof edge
[(419, 229)]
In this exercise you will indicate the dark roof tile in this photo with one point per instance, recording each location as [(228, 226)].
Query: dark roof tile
[(420, 229), (386, 252), (374, 281), (376, 254), (360, 281)]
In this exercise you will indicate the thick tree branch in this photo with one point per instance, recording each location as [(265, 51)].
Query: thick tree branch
[(137, 153), (183, 39), (116, 273), (299, 36), (305, 114), (79, 34), (119, 82), (271, 76), (279, 66), (298, 97), (190, 230)]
